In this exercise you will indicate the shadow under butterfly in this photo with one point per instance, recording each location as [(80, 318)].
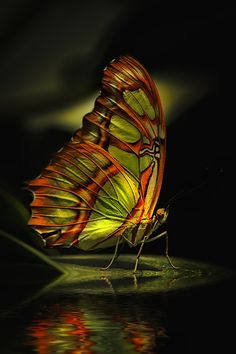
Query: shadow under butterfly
[(101, 189)]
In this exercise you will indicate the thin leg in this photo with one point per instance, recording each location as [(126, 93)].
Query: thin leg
[(153, 239), (157, 236), (139, 253), (167, 252), (115, 255)]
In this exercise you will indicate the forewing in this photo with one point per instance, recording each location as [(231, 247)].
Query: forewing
[(127, 121)]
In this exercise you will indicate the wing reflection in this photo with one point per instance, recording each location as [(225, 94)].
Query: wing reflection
[(143, 337), (62, 331), (97, 326)]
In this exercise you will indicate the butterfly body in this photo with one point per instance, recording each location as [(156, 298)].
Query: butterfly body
[(105, 183)]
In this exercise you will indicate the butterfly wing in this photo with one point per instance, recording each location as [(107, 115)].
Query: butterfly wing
[(110, 174), (128, 122), (81, 193)]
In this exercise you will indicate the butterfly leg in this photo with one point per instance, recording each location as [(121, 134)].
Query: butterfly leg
[(115, 255), (165, 234), (139, 253)]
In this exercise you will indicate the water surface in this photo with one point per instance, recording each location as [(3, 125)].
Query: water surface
[(88, 311)]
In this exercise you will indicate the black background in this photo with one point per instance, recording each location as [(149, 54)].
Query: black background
[(68, 44)]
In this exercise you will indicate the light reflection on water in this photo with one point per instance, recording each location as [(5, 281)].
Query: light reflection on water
[(96, 325), (85, 312)]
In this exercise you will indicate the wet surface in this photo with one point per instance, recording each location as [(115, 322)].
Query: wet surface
[(84, 275), (86, 310)]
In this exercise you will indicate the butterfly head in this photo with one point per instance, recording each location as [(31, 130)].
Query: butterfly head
[(161, 216)]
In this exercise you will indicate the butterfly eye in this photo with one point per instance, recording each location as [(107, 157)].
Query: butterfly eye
[(161, 212), (162, 215)]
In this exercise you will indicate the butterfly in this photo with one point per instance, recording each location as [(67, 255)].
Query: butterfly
[(102, 188)]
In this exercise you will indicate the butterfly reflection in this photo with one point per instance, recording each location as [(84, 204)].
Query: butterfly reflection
[(96, 326)]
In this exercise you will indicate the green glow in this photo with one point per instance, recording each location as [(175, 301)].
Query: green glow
[(109, 213)]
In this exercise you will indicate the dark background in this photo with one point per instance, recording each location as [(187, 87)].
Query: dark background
[(52, 56)]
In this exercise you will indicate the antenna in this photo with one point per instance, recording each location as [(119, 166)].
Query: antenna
[(183, 192)]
